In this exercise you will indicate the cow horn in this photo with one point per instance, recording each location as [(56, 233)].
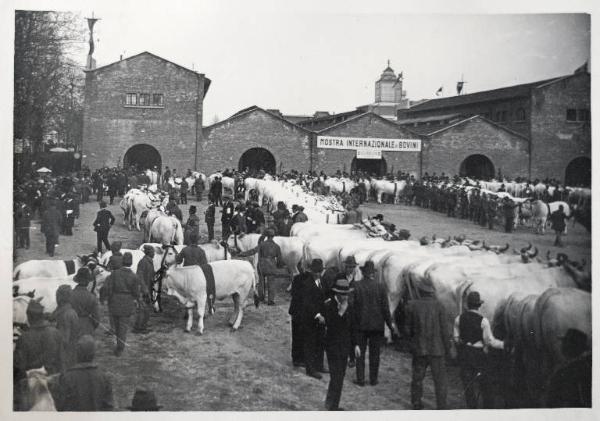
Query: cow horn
[(534, 254), (530, 245), (506, 247)]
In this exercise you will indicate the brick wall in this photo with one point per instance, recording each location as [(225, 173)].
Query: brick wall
[(367, 126), (111, 128), (225, 142), (556, 142), (445, 151)]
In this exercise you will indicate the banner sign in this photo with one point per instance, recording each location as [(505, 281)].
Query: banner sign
[(368, 153), (356, 143)]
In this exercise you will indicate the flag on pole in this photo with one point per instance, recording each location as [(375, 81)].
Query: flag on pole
[(439, 91), (459, 87)]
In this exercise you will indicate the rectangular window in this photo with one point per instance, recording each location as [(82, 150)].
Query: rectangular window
[(144, 100), (131, 99), (158, 100), (583, 114), (571, 114)]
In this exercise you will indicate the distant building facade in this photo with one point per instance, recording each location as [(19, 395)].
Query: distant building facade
[(143, 110)]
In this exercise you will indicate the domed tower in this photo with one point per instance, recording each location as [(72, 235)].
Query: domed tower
[(389, 86)]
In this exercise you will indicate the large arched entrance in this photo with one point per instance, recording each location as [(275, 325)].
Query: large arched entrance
[(477, 166), (143, 157), (579, 172), (257, 159), (371, 167)]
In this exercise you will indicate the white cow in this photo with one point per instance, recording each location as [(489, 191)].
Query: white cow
[(393, 188), (166, 230), (47, 268), (214, 250), (291, 248), (233, 278)]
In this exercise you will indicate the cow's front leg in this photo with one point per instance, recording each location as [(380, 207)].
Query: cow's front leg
[(190, 320)]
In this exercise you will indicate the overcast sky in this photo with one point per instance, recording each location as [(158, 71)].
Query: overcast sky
[(300, 63)]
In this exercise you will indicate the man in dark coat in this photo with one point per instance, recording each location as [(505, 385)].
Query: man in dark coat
[(192, 225), (373, 312), (340, 339), (209, 218), (192, 254), (145, 274), (67, 323), (295, 311), (299, 215), (22, 224), (570, 385), (427, 328), (558, 219), (39, 346), (216, 190), (238, 221), (104, 220), (313, 321), (51, 223), (173, 209), (508, 207), (84, 387), (112, 186), (122, 291), (227, 215), (279, 217), (85, 303)]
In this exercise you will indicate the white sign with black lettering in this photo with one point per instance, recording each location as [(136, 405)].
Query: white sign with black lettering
[(356, 143), (368, 153)]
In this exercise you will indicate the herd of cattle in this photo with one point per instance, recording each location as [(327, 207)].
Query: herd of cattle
[(531, 301)]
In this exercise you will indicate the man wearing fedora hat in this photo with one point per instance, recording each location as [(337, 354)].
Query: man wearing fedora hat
[(340, 339), (84, 387), (144, 400), (312, 319), (473, 336), (426, 327), (191, 226), (373, 313)]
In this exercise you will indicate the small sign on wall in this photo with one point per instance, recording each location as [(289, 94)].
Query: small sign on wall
[(368, 153)]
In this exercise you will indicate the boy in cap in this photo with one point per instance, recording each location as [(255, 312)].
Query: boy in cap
[(473, 337), (340, 339), (431, 341), (85, 303), (115, 261), (84, 387)]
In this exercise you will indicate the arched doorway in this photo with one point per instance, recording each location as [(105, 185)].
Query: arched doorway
[(579, 172), (143, 157), (257, 159), (477, 166), (372, 167)]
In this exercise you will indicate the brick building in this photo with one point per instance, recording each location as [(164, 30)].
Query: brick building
[(143, 110), (552, 115)]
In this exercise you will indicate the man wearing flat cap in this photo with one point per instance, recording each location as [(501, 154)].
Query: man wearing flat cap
[(85, 303), (84, 387), (473, 337), (122, 291), (39, 346), (428, 331), (145, 274)]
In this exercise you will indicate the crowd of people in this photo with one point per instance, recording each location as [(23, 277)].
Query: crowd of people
[(332, 313)]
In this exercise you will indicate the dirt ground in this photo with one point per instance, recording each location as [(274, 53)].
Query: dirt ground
[(251, 369)]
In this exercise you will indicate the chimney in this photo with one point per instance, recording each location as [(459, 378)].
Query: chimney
[(91, 62)]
